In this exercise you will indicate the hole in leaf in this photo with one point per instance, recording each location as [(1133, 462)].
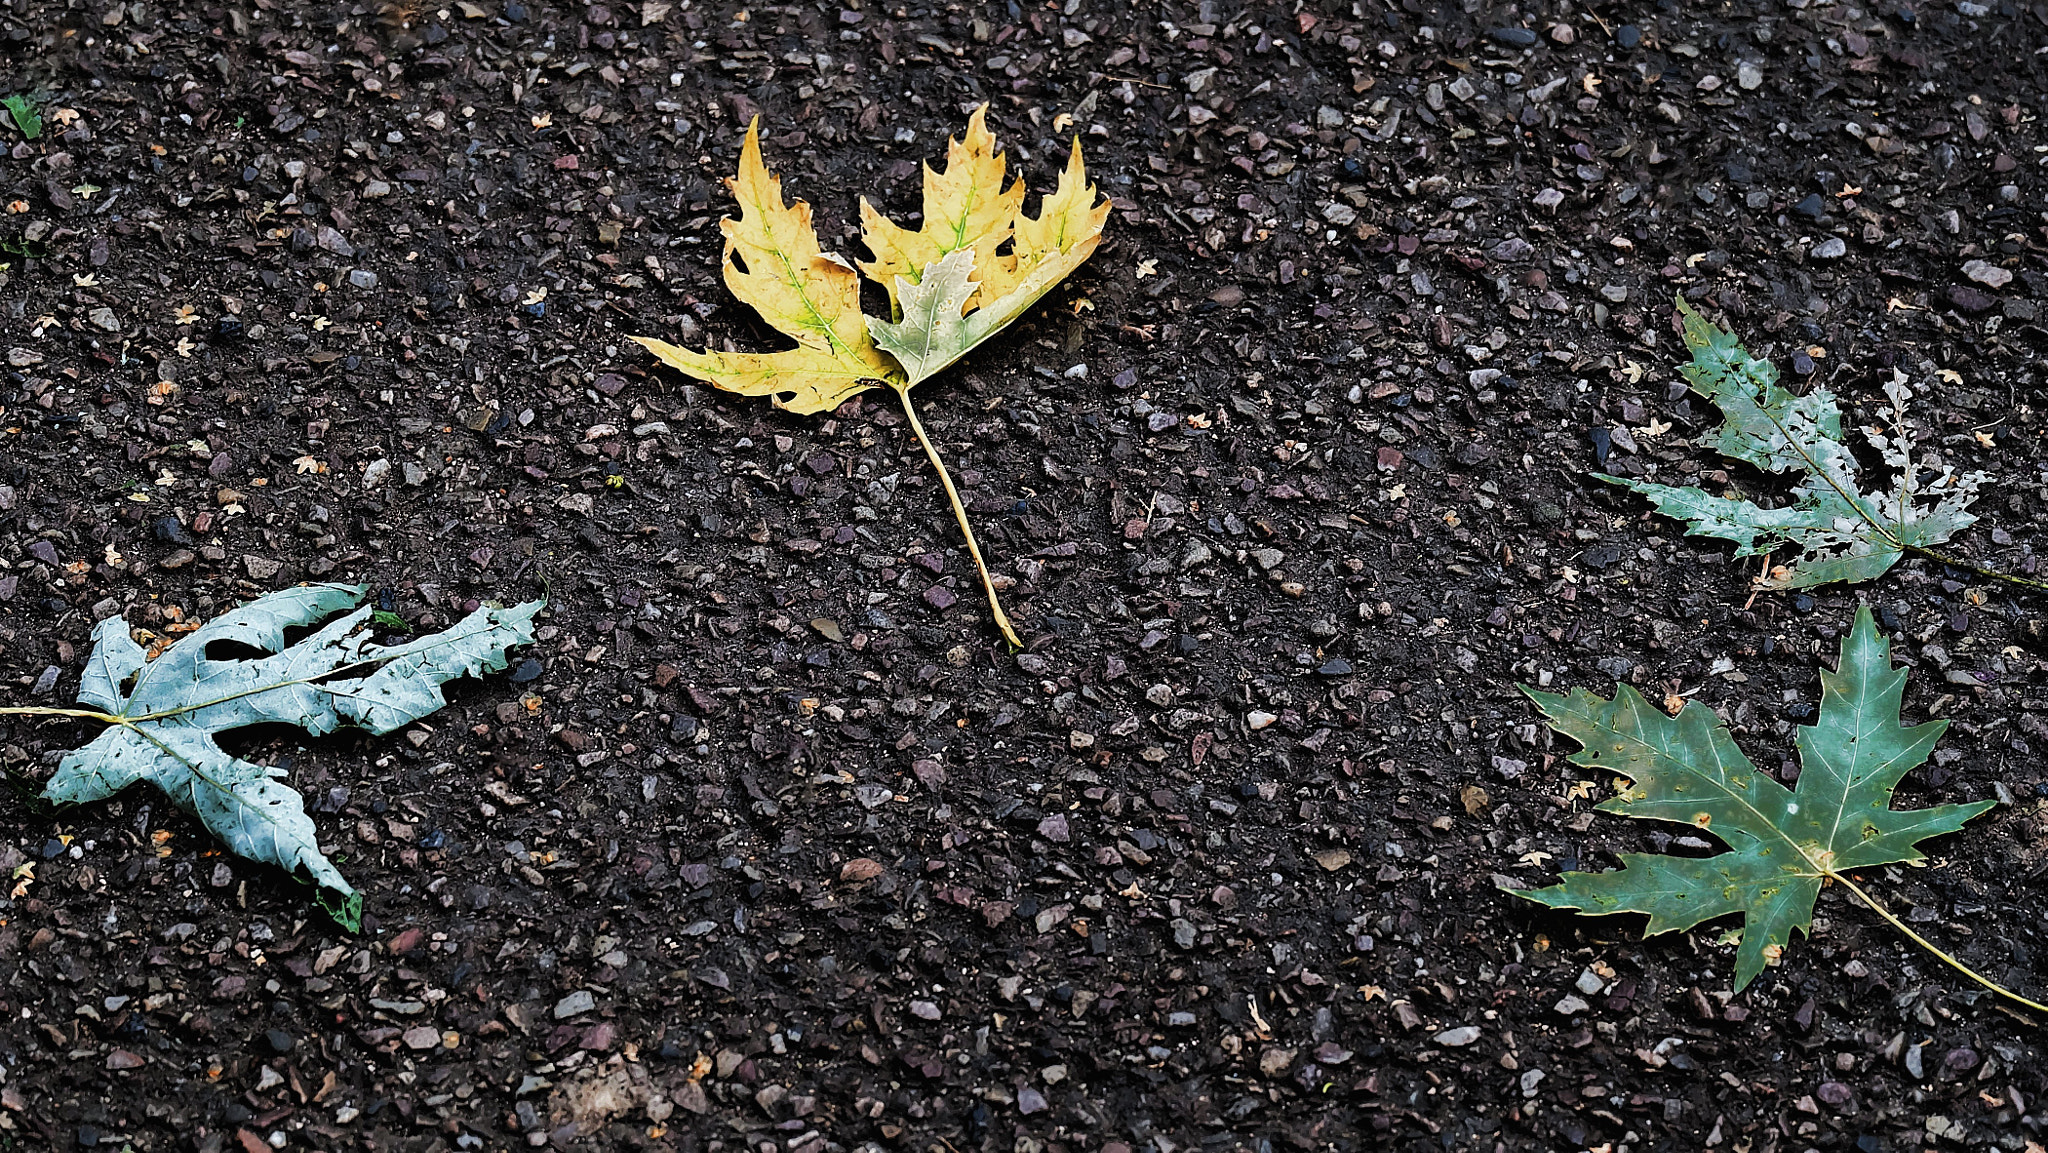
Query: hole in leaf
[(226, 651), (307, 760), (269, 742), (293, 634), (233, 650)]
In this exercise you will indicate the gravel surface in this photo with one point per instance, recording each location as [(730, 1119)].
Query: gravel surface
[(769, 845)]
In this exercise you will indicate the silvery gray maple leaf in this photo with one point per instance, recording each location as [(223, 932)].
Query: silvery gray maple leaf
[(165, 715)]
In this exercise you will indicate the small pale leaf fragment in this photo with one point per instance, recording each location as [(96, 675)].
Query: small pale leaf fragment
[(1333, 859)]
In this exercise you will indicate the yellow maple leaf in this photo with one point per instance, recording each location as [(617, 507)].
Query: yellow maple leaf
[(950, 284), (1065, 232), (773, 262), (965, 206), (960, 301)]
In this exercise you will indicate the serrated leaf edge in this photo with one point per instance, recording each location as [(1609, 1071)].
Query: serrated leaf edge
[(1863, 639)]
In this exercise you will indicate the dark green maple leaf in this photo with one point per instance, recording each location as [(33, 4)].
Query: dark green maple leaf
[(1782, 843)]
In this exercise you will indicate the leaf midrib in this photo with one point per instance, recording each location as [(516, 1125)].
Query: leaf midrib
[(1861, 684), (384, 657), (1766, 822), (968, 200), (792, 279), (932, 304)]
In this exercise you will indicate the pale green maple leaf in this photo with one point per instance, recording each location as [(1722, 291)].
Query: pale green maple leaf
[(933, 332), (1836, 531)]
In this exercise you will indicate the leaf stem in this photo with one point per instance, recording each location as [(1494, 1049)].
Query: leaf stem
[(960, 514), (88, 714), (1924, 943), (1966, 566)]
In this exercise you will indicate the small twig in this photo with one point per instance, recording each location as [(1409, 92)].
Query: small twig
[(960, 514), (1928, 945)]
